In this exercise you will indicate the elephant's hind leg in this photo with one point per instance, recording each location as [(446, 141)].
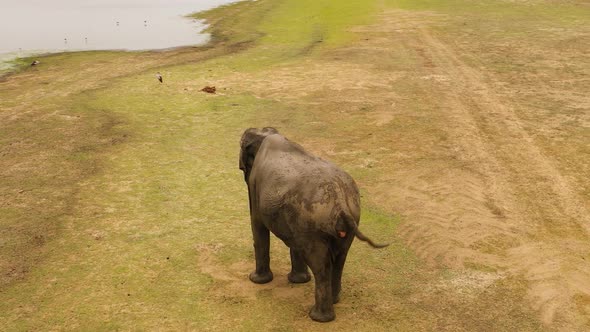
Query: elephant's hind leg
[(338, 267), (337, 276), (299, 273), (319, 259), (262, 274)]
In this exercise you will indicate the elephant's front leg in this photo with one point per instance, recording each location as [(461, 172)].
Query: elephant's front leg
[(299, 273), (320, 262), (261, 234)]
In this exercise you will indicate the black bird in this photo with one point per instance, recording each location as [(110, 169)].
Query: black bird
[(159, 77), (34, 63)]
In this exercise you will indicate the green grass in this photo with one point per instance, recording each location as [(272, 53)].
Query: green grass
[(286, 30), (13, 65)]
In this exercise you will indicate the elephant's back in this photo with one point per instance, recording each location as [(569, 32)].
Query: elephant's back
[(321, 193), (300, 183)]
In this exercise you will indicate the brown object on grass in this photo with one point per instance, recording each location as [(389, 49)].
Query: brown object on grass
[(209, 89)]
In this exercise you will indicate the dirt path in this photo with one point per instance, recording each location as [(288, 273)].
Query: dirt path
[(531, 205), (507, 206)]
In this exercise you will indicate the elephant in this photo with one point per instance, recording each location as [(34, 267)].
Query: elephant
[(310, 204)]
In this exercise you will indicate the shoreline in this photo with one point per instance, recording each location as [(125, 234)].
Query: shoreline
[(11, 62)]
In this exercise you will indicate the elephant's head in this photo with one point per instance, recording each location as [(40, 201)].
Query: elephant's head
[(249, 145)]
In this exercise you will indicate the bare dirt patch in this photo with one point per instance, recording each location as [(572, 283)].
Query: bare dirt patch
[(232, 283)]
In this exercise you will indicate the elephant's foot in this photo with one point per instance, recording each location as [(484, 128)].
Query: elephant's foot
[(299, 277), (261, 278), (320, 316)]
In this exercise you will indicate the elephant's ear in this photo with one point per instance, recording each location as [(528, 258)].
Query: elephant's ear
[(242, 163), (246, 150), (246, 157), (249, 145)]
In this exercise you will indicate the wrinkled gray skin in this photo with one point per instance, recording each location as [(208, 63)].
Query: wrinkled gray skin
[(310, 204)]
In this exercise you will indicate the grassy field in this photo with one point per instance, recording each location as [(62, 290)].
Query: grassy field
[(465, 123)]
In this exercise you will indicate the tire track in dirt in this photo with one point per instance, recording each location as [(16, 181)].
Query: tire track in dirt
[(536, 204)]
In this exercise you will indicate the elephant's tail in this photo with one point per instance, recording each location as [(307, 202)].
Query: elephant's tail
[(352, 225)]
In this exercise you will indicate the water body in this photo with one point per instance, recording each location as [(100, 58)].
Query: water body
[(41, 26)]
